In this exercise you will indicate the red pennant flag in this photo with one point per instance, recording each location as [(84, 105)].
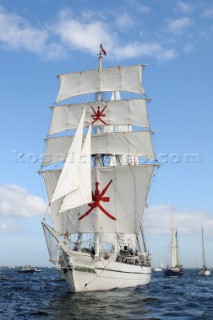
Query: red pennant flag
[(102, 50)]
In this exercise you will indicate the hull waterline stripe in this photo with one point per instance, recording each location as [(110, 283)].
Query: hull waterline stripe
[(112, 270)]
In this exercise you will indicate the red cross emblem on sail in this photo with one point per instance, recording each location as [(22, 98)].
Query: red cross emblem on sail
[(98, 115), (97, 197)]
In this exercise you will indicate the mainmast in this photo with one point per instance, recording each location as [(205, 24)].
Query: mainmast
[(100, 65), (98, 130), (100, 59), (99, 97)]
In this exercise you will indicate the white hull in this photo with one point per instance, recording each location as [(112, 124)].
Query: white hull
[(86, 273), (158, 269), (203, 272)]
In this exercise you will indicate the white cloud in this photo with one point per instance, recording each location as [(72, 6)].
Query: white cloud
[(16, 202), (9, 226), (184, 7), (84, 33), (78, 35), (138, 6), (72, 33), (149, 49), (16, 34), (178, 26), (159, 220), (124, 21), (208, 13)]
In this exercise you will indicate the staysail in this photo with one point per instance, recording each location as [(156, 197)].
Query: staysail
[(70, 178), (83, 194)]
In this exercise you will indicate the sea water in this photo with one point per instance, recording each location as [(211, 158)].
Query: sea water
[(44, 296)]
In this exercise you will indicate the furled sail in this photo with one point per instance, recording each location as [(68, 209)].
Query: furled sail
[(120, 207), (114, 112), (101, 80), (136, 143)]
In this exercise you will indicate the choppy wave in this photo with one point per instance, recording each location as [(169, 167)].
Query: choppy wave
[(44, 296)]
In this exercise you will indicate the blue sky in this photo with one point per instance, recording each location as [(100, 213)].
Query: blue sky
[(42, 38)]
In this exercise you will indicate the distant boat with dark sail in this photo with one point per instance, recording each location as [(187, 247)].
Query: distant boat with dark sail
[(175, 269)]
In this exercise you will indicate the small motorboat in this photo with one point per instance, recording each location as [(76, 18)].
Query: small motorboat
[(28, 269)]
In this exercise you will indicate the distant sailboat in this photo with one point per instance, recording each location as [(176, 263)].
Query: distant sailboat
[(176, 269), (158, 268), (204, 271)]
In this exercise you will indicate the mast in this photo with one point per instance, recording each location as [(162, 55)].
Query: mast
[(98, 158), (174, 248), (100, 57), (176, 237), (99, 97), (100, 66), (143, 239), (203, 248)]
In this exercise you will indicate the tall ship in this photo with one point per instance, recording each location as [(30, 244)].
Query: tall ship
[(97, 169)]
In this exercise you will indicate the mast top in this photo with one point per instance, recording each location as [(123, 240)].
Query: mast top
[(100, 54)]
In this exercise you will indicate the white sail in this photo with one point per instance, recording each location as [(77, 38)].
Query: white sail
[(174, 260), (51, 178), (83, 193), (101, 80), (135, 143), (70, 179), (114, 112), (124, 200), (174, 242), (77, 197)]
